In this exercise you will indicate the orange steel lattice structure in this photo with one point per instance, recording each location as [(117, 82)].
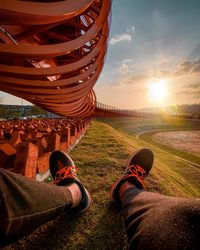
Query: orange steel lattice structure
[(52, 52)]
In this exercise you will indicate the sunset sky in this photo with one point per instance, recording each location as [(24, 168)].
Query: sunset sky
[(151, 43), (152, 40)]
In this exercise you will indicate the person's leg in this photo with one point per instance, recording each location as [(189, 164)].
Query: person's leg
[(26, 204), (154, 221)]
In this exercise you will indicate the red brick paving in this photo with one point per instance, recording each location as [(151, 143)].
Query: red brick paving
[(25, 146)]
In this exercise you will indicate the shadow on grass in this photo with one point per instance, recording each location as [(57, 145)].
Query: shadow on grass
[(66, 232), (49, 235), (109, 233)]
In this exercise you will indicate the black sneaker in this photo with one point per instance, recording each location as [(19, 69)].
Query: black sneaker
[(136, 170), (64, 173)]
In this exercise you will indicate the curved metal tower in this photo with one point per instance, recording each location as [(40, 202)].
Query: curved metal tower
[(52, 52)]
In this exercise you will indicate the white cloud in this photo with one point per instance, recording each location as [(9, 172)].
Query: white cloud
[(120, 38), (126, 66), (163, 61), (126, 36), (129, 30), (127, 61)]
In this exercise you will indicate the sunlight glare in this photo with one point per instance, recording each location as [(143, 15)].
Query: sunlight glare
[(157, 90)]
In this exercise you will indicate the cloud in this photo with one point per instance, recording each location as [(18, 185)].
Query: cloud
[(126, 36), (120, 38), (130, 79), (129, 74), (126, 66), (127, 61), (129, 30), (188, 67), (164, 73), (183, 80), (186, 87), (163, 61), (195, 53), (138, 79), (194, 86), (196, 67), (189, 92), (185, 72)]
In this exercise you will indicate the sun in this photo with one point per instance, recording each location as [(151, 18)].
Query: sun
[(157, 90)]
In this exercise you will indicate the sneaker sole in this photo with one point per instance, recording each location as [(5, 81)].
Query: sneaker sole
[(88, 201)]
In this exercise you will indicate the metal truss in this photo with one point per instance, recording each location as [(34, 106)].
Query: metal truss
[(52, 52)]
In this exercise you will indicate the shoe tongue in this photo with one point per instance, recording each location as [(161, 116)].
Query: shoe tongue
[(60, 165)]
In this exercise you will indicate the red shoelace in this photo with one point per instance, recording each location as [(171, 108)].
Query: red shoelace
[(66, 172), (138, 172)]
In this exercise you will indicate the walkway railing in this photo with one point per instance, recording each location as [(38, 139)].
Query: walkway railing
[(103, 110)]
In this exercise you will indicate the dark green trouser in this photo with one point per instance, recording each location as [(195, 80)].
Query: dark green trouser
[(26, 204)]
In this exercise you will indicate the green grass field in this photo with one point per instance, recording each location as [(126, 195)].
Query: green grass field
[(101, 156)]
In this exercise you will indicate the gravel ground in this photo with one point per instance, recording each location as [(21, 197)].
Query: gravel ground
[(187, 141)]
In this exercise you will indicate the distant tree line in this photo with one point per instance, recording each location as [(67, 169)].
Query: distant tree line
[(189, 108), (16, 111)]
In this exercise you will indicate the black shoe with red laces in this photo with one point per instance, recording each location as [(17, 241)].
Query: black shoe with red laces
[(64, 173), (137, 169)]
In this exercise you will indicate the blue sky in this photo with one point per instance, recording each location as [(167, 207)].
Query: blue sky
[(150, 40)]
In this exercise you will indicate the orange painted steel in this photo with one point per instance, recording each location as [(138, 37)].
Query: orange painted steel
[(52, 52), (103, 110)]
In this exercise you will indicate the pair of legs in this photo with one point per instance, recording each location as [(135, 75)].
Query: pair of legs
[(152, 221)]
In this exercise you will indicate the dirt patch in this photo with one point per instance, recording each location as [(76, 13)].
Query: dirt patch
[(187, 141)]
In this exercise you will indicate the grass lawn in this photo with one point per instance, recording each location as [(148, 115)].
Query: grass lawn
[(101, 156)]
